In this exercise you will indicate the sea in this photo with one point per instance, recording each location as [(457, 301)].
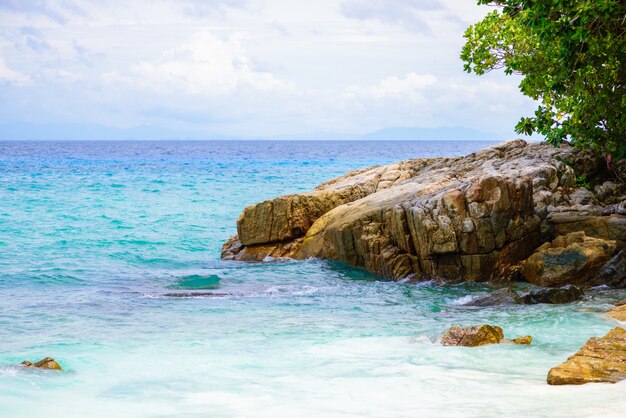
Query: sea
[(96, 236)]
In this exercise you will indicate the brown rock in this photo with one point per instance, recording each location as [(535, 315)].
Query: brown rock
[(525, 340), (470, 218), (619, 313), (478, 335), (289, 217), (574, 258), (599, 360), (606, 227), (46, 363), (473, 336)]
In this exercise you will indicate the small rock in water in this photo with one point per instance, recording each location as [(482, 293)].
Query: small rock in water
[(525, 340), (46, 363), (196, 294), (560, 295), (599, 360), (478, 335)]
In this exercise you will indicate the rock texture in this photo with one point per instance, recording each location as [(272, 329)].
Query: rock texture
[(478, 335), (508, 296), (619, 313), (471, 218), (554, 296), (504, 296), (599, 360), (46, 363), (572, 258)]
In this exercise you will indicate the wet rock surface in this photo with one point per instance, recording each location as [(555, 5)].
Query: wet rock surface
[(508, 296), (46, 363), (599, 360), (478, 335), (504, 296), (196, 294), (555, 296)]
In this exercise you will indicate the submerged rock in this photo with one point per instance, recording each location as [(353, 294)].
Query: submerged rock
[(504, 296), (46, 363), (196, 294), (599, 360), (573, 258), (478, 335), (560, 295), (508, 296)]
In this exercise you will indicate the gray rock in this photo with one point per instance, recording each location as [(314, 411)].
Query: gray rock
[(561, 295), (504, 296), (613, 273)]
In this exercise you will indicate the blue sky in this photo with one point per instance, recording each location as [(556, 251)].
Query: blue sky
[(247, 68)]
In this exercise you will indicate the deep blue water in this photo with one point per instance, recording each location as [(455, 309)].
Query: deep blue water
[(94, 234)]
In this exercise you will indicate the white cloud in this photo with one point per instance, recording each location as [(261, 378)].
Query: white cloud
[(203, 65), (410, 88), (249, 68), (12, 76), (411, 14)]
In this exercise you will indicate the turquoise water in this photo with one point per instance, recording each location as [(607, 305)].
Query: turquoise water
[(93, 235)]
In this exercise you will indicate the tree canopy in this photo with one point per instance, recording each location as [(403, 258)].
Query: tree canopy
[(571, 55)]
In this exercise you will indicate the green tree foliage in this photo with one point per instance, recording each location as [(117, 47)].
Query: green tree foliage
[(572, 56)]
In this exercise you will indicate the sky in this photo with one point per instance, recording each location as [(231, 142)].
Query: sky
[(245, 68)]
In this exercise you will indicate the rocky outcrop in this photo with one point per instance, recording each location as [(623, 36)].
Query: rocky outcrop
[(478, 335), (599, 360), (572, 258), (473, 218), (289, 217), (47, 363)]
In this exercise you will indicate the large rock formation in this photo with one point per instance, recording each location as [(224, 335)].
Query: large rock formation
[(599, 360), (472, 218)]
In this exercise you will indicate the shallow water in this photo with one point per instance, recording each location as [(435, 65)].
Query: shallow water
[(93, 235)]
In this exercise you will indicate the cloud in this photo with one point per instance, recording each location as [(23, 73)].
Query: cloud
[(202, 65), (411, 14), (409, 88), (57, 11), (210, 7), (12, 76)]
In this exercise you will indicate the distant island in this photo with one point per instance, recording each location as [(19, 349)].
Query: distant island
[(93, 132)]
